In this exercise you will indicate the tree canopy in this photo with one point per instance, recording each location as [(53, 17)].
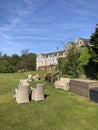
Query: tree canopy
[(14, 63), (68, 65), (94, 45), (82, 61)]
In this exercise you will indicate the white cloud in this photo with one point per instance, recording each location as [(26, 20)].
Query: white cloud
[(4, 36), (36, 2), (46, 22)]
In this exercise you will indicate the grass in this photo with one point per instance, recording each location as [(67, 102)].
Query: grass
[(59, 111)]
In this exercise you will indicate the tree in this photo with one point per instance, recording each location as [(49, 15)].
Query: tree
[(28, 61), (6, 65), (32, 61), (0, 54), (69, 63), (14, 61), (93, 50), (83, 61), (61, 61), (94, 46)]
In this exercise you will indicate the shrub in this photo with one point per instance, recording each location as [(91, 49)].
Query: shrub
[(48, 77)]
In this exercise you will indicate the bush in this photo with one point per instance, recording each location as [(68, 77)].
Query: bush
[(48, 77)]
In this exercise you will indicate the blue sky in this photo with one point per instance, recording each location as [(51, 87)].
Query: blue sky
[(42, 26)]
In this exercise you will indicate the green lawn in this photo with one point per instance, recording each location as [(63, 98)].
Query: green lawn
[(59, 111)]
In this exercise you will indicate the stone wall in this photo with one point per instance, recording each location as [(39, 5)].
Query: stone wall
[(82, 87)]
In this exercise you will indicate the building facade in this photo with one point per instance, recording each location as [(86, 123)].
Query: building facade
[(81, 42), (50, 60)]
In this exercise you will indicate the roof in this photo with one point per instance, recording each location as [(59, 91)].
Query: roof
[(51, 53)]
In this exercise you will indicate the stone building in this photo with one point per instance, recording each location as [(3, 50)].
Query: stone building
[(81, 42), (49, 61)]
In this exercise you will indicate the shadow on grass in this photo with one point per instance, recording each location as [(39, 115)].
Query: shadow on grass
[(45, 96)]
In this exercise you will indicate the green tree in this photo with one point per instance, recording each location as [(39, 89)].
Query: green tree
[(94, 46), (61, 61), (69, 65), (32, 61), (83, 61), (93, 50), (0, 54), (14, 61), (28, 60), (5, 64), (24, 63)]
